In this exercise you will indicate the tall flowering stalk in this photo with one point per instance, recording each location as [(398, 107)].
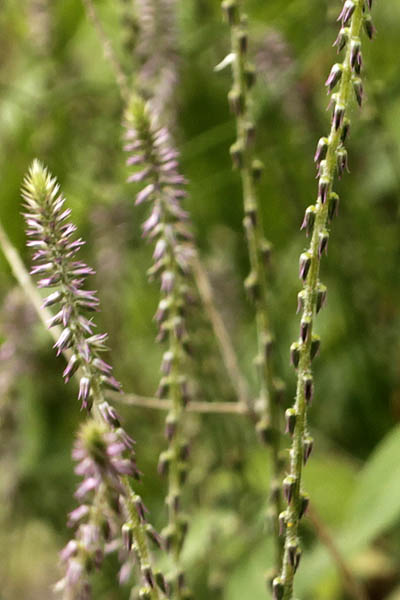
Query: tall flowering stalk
[(331, 159), (151, 152), (51, 237), (242, 152)]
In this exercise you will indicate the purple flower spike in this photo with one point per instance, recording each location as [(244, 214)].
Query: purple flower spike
[(51, 235)]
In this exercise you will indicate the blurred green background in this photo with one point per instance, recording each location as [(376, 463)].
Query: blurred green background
[(59, 102)]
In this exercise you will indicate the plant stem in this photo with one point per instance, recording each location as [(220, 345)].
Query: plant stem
[(109, 53), (224, 341), (331, 151), (258, 250), (223, 408), (24, 279)]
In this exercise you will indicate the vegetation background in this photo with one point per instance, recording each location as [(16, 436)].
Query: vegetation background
[(59, 102)]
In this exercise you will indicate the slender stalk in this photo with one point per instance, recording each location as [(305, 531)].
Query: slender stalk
[(224, 341), (258, 249), (331, 158), (109, 53), (25, 281), (223, 408)]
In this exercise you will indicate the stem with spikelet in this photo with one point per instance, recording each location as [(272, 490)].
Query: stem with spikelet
[(151, 151), (52, 238), (242, 153), (331, 158)]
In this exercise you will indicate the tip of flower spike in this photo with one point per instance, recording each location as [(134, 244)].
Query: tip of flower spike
[(38, 181), (136, 111)]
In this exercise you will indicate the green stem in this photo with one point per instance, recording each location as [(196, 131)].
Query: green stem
[(267, 406), (283, 585)]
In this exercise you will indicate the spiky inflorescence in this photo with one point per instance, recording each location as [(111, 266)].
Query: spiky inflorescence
[(156, 49), (242, 152), (51, 237), (151, 152), (331, 158)]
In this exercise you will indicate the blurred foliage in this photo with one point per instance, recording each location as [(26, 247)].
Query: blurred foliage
[(59, 102)]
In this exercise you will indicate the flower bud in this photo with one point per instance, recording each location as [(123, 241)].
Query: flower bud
[(338, 115), (345, 130), (295, 354), (266, 251), (290, 418), (173, 500), (355, 55), (308, 445), (308, 387), (153, 535), (147, 575), (305, 326), (170, 426), (315, 345), (250, 134), (333, 206), (127, 536), (164, 462), (341, 161), (294, 554), (236, 151), (304, 501), (230, 9), (243, 42), (368, 26), (250, 220), (288, 487), (282, 519), (252, 286), (358, 90), (323, 239), (334, 76), (342, 38), (257, 169), (304, 265), (161, 582), (236, 101), (322, 149), (278, 589), (182, 473), (167, 360), (347, 12), (320, 296), (309, 219), (323, 187), (301, 297), (250, 75)]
